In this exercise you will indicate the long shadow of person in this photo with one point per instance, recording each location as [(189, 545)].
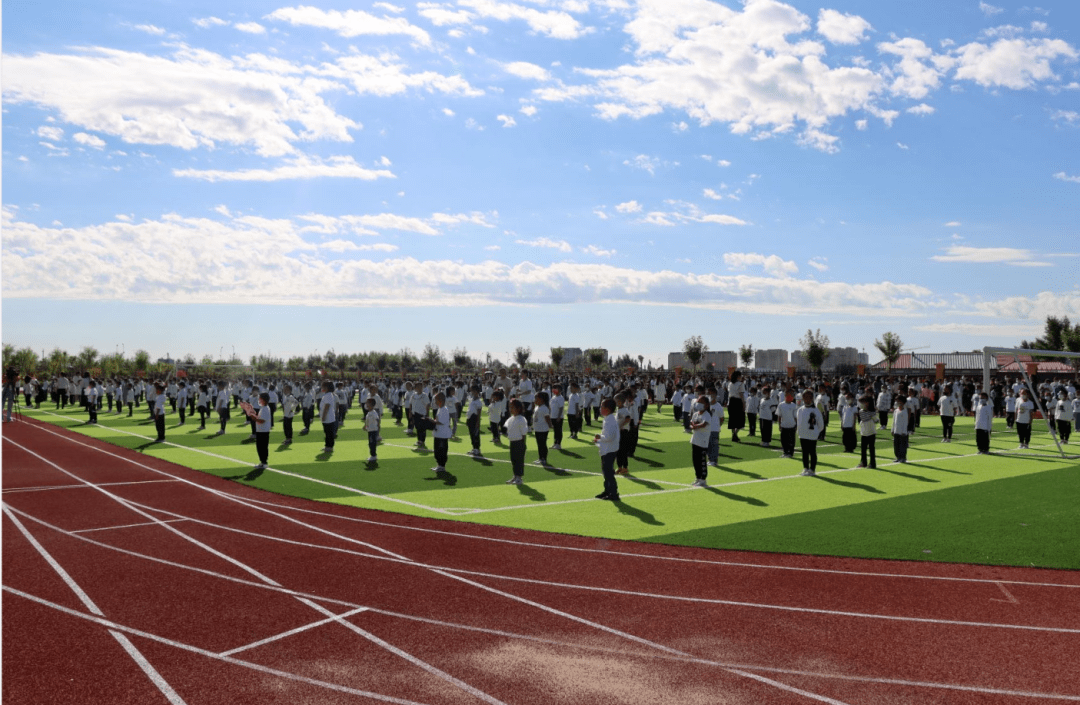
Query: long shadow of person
[(853, 485), (742, 472), (639, 514), (534, 495), (557, 471), (446, 477), (738, 497), (920, 478), (643, 483), (255, 474)]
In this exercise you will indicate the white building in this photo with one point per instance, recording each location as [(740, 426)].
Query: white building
[(720, 359), (837, 357), (770, 359)]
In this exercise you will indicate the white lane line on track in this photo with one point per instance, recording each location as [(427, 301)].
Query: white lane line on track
[(243, 566), (126, 526), (160, 683), (589, 647), (81, 487), (249, 501), (516, 598), (680, 598), (291, 632), (315, 480), (768, 669), (113, 626)]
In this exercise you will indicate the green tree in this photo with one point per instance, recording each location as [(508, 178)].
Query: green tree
[(815, 348), (87, 358), (460, 357), (746, 354), (142, 360), (522, 355), (432, 357), (890, 346), (557, 355), (597, 356), (694, 349)]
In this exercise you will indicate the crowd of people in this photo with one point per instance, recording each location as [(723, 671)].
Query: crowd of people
[(516, 404)]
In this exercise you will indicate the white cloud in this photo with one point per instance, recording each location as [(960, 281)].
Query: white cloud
[(207, 22), (990, 255), (1062, 176), (772, 264), (472, 124), (862, 125), (919, 69), (988, 9), (24, 158), (1005, 30), (709, 193), (994, 331), (250, 27), (1037, 308), (1040, 27), (841, 28), (384, 161), (560, 245), (390, 8), (596, 251), (921, 109), (819, 263), (629, 207), (643, 162), (953, 224), (350, 23), (150, 29), (50, 133), (448, 112), (492, 248), (123, 217), (529, 110), (89, 140), (599, 212), (553, 23), (523, 69), (1012, 63), (299, 168), (224, 210), (54, 150), (903, 146), (680, 126), (506, 120), (1070, 117), (723, 162)]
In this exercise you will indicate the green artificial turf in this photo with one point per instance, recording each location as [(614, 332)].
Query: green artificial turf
[(959, 506)]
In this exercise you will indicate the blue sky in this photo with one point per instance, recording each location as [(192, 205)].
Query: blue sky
[(484, 174)]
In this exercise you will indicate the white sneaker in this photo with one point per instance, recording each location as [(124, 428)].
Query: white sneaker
[(556, 447), (515, 480), (478, 454), (220, 433), (538, 462), (713, 465), (807, 473), (373, 459), (260, 466)]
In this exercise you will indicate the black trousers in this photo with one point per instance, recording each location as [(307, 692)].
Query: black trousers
[(442, 451), (947, 426), (373, 443), (541, 444), (473, 424), (883, 418), (787, 440), (1023, 430), (809, 453), (752, 419), (330, 433), (607, 469), (286, 424), (982, 440), (494, 426), (766, 430), (1064, 429), (421, 433), (517, 457), (262, 446), (159, 422), (556, 431), (900, 445), (868, 444), (700, 457), (624, 449), (848, 436), (223, 417)]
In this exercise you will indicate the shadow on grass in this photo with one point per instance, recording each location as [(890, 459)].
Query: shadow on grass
[(324, 456), (255, 474), (745, 473), (556, 471), (640, 515), (446, 477), (283, 446), (853, 485), (935, 467), (920, 478), (571, 454), (737, 497), (651, 449), (533, 495), (483, 461), (643, 483)]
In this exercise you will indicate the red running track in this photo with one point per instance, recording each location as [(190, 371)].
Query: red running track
[(131, 580)]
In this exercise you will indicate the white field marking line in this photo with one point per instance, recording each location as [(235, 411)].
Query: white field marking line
[(291, 632), (628, 554), (243, 566), (113, 626), (127, 526), (492, 590), (549, 467), (525, 637), (81, 487), (1008, 594), (249, 503), (352, 490), (680, 598), (171, 695)]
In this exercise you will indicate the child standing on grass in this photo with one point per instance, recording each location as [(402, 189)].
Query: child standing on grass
[(786, 415), (766, 409), (884, 403), (496, 409), (328, 416), (541, 421), (372, 424), (159, 411), (822, 403), (573, 410), (714, 429), (262, 430), (810, 422), (753, 407), (1010, 409), (900, 430), (984, 424), (181, 401), (687, 409), (1024, 408), (848, 413), (1064, 414), (700, 421), (472, 419), (517, 427), (441, 433), (676, 404), (947, 409), (92, 401), (558, 406), (203, 405), (608, 442), (622, 416), (222, 408), (288, 410), (867, 431)]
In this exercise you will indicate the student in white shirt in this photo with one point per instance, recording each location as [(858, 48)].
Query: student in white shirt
[(92, 395), (573, 410), (867, 432), (558, 407), (441, 433), (900, 430), (181, 401), (262, 430), (159, 412), (419, 408), (608, 443), (517, 428), (947, 409), (496, 412), (753, 407), (687, 409), (289, 406), (984, 424), (472, 420), (714, 429), (810, 422), (700, 421), (372, 425), (328, 416), (541, 423), (1024, 409), (847, 413), (766, 410), (676, 404), (884, 403), (786, 416)]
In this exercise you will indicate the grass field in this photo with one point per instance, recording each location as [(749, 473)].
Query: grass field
[(947, 504)]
